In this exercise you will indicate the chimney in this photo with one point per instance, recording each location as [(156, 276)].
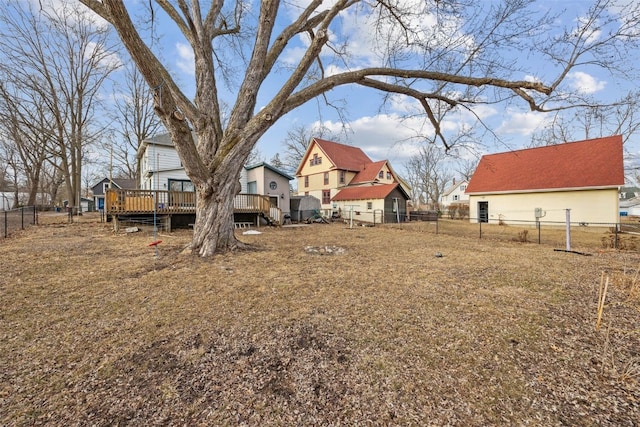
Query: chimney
[(454, 181)]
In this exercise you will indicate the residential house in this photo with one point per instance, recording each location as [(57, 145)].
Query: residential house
[(348, 182), (161, 169), (100, 189), (160, 166), (629, 193), (630, 207), (262, 178), (455, 193), (542, 183)]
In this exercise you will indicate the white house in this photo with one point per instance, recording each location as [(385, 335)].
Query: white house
[(161, 169), (160, 166), (630, 207), (455, 193)]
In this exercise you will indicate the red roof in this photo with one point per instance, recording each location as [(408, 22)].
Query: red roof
[(344, 157), (583, 164), (365, 192), (369, 172)]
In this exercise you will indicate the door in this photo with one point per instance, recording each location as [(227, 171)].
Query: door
[(483, 211)]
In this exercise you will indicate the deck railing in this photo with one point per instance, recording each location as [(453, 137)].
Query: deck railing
[(121, 202)]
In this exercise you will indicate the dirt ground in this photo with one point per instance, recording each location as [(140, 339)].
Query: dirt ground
[(320, 325)]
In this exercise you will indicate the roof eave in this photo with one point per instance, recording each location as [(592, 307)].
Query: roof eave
[(544, 190)]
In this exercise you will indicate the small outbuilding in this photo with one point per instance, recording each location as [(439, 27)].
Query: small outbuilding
[(303, 207), (542, 183), (373, 203)]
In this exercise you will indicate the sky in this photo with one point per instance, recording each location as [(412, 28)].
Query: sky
[(380, 130)]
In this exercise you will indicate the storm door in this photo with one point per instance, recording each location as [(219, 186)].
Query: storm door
[(483, 211)]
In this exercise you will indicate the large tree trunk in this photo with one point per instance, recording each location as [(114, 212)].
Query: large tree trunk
[(213, 231)]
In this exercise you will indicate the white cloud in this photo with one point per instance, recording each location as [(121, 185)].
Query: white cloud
[(107, 59), (585, 83), (186, 59), (587, 27), (521, 123), (383, 136)]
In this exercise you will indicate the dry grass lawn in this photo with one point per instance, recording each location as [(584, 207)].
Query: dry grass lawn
[(96, 329)]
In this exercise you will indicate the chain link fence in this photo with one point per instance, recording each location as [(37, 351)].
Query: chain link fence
[(624, 235), (17, 219)]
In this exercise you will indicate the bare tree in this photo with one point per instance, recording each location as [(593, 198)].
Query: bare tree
[(455, 61), (11, 169), (136, 121), (428, 174), (28, 128), (466, 167), (64, 57), (276, 162), (618, 118)]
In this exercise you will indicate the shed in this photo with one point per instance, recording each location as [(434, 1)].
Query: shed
[(303, 207), (543, 182)]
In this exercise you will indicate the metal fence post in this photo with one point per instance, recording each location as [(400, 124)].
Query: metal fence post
[(6, 228), (480, 222), (22, 218)]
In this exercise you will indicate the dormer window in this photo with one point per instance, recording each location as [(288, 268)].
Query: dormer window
[(381, 174), (315, 160), (389, 175)]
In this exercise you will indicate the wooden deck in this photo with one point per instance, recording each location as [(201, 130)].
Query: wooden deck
[(131, 202)]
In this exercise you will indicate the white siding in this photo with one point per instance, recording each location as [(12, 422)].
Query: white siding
[(588, 206), (163, 159)]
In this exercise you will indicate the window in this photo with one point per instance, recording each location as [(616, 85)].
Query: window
[(252, 187), (326, 178), (306, 181), (181, 185), (389, 175), (326, 197), (343, 177), (369, 206), (105, 187), (315, 160), (381, 174), (455, 197), (179, 193), (463, 187)]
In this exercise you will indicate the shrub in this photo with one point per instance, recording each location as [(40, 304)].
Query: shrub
[(522, 236)]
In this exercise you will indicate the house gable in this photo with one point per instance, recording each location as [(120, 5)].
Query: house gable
[(335, 156), (595, 163), (374, 172), (455, 194)]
